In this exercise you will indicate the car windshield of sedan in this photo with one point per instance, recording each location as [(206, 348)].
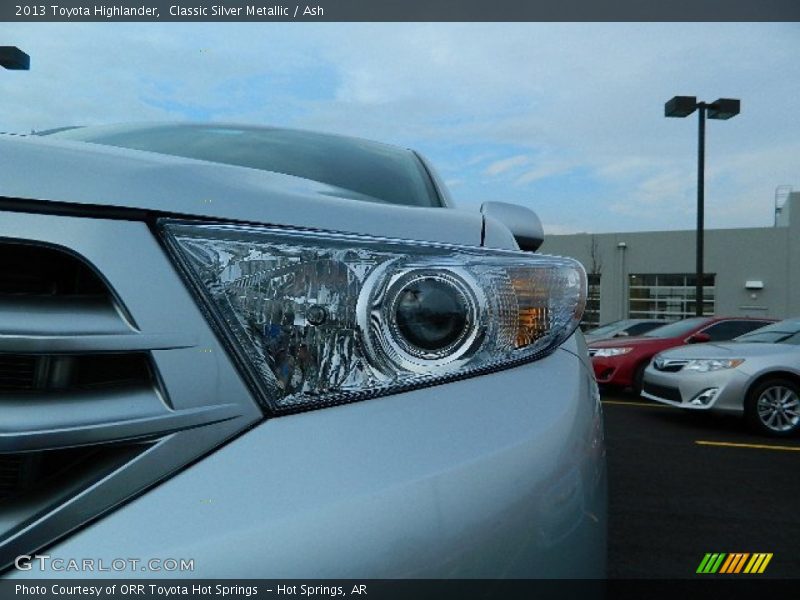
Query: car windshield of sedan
[(376, 172), (608, 328), (676, 329), (784, 332)]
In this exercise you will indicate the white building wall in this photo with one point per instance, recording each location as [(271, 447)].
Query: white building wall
[(735, 256)]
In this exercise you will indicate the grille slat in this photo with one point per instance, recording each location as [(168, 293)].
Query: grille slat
[(17, 373), (11, 472), (63, 337)]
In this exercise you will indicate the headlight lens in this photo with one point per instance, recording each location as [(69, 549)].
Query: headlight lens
[(429, 315), (606, 352), (706, 365), (316, 319)]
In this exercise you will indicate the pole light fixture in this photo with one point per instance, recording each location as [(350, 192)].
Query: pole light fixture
[(680, 106), (722, 109), (14, 59)]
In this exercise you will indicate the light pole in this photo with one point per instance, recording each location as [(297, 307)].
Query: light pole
[(14, 59), (623, 314), (723, 109)]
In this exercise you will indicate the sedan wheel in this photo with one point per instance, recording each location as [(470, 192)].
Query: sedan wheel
[(774, 407)]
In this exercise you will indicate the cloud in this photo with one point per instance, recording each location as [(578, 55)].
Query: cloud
[(542, 171), (506, 164), (572, 113)]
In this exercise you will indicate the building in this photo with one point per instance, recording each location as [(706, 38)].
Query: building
[(749, 272)]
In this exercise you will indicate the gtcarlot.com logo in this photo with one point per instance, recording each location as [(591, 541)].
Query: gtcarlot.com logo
[(47, 563), (734, 563)]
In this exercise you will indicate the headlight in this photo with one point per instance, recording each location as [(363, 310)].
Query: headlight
[(706, 365), (316, 319), (605, 352)]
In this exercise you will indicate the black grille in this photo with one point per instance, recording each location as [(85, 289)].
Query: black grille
[(21, 473), (9, 473), (28, 269), (17, 372), (662, 391), (17, 472), (669, 367), (33, 278), (42, 373)]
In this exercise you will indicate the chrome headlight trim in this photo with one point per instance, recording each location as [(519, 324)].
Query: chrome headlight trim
[(376, 314), (253, 284)]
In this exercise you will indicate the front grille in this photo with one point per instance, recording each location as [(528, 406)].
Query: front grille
[(110, 378), (21, 473), (48, 294), (662, 391), (32, 269), (17, 372), (669, 366), (10, 473), (42, 373)]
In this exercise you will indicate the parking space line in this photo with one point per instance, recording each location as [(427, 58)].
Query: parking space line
[(753, 446), (623, 402)]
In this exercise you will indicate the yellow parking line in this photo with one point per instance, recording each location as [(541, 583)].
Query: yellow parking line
[(623, 402), (756, 446)]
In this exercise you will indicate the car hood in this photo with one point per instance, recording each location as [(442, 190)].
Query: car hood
[(636, 341), (41, 169), (728, 350), (591, 339)]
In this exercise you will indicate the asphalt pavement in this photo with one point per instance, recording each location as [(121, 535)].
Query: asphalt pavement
[(685, 484)]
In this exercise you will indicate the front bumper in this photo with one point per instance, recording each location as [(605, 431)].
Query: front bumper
[(612, 370), (501, 475), (726, 387)]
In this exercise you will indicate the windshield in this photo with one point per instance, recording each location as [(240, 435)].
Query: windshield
[(380, 172), (608, 328), (783, 332), (677, 329)]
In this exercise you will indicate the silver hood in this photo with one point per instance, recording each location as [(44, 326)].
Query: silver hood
[(60, 171), (728, 350)]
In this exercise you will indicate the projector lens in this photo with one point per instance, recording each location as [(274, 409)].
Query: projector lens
[(431, 315)]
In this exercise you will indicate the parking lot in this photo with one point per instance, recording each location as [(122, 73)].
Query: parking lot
[(686, 484)]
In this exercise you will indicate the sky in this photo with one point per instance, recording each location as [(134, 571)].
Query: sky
[(567, 119)]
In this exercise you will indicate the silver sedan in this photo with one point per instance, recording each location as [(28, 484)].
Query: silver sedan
[(756, 375)]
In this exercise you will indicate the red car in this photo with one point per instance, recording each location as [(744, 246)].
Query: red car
[(621, 362)]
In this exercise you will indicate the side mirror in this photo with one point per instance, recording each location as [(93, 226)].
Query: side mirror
[(699, 338), (523, 223), (621, 334)]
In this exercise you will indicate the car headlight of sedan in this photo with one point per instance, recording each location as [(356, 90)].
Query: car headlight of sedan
[(706, 365), (607, 352), (316, 319)]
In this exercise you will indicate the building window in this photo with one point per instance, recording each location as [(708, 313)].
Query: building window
[(591, 315), (667, 296)]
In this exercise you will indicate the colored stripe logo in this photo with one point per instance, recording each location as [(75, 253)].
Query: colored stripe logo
[(734, 563)]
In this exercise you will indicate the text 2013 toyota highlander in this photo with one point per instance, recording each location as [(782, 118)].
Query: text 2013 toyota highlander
[(276, 353)]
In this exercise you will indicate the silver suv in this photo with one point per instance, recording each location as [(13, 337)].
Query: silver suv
[(276, 353)]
